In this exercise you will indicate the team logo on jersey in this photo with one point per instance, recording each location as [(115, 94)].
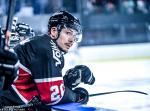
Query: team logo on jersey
[(56, 53)]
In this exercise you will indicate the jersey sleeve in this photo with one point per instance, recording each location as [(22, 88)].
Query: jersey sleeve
[(24, 85), (23, 54)]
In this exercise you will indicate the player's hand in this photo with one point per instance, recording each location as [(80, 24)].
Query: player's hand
[(79, 73), (82, 95), (19, 33), (24, 30), (87, 76)]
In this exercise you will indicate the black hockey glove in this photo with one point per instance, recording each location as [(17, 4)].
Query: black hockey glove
[(79, 73), (24, 30), (8, 67), (20, 32), (82, 95)]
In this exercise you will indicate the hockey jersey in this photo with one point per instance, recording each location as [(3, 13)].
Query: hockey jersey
[(40, 70)]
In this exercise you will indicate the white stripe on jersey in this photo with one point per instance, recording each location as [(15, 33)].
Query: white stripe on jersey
[(24, 68), (21, 97), (48, 79)]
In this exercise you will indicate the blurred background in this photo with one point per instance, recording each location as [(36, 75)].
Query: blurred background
[(104, 21), (115, 45)]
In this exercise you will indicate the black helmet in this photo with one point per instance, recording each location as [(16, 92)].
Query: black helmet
[(63, 19)]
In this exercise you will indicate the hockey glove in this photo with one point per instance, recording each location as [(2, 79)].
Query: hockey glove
[(79, 73), (20, 32), (8, 67), (24, 30), (82, 95)]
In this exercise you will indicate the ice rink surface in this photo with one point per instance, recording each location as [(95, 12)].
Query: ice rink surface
[(121, 75), (131, 72)]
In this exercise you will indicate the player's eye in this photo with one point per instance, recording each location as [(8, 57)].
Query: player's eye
[(69, 33)]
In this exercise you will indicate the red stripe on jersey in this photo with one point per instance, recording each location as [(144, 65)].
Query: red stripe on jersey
[(25, 85), (51, 92)]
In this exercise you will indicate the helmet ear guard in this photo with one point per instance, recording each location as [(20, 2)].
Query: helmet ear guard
[(63, 19)]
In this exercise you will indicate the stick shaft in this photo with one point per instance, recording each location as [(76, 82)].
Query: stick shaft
[(111, 92), (11, 9)]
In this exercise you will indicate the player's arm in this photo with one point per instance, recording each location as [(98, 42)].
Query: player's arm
[(73, 78), (8, 66)]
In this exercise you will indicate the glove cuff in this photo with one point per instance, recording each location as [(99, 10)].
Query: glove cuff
[(82, 95)]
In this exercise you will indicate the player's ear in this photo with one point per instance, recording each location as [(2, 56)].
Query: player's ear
[(53, 32)]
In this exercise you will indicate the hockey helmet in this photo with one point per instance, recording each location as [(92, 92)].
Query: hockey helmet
[(63, 19)]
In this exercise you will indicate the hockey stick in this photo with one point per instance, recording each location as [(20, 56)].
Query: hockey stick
[(104, 93), (11, 9)]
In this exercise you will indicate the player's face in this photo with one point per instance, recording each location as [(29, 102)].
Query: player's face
[(66, 38)]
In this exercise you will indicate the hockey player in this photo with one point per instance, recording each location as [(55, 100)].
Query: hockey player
[(40, 66)]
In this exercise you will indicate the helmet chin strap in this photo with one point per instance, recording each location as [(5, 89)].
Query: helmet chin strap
[(59, 27)]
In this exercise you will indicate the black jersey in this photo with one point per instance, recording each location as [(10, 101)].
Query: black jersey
[(40, 70)]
